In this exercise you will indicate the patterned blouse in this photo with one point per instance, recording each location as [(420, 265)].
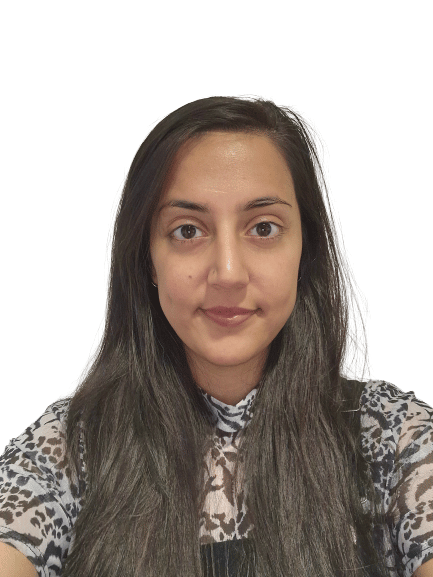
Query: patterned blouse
[(38, 510)]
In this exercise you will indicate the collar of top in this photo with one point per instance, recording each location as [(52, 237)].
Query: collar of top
[(231, 418)]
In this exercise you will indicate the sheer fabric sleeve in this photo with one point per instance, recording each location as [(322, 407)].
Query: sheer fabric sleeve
[(411, 484), (38, 502)]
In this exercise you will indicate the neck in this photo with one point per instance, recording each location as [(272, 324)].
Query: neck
[(228, 384)]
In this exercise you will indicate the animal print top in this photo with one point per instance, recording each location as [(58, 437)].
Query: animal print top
[(39, 504)]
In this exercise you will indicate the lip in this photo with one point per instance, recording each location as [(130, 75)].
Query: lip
[(229, 311), (228, 321)]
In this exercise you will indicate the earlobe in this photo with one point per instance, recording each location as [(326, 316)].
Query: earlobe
[(153, 275)]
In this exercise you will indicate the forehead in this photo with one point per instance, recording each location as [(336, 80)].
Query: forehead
[(228, 150), (227, 162)]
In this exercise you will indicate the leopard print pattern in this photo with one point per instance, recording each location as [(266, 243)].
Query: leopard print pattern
[(39, 503)]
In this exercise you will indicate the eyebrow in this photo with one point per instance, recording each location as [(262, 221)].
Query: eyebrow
[(256, 203)]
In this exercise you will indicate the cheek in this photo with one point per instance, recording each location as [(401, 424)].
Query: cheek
[(282, 291), (175, 294), (286, 296), (282, 276)]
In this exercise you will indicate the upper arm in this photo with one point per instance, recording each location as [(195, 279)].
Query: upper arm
[(13, 563), (411, 489), (39, 503), (425, 570)]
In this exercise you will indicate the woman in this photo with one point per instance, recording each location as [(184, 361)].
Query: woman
[(214, 433)]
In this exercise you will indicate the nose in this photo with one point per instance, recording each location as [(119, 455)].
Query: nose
[(228, 267)]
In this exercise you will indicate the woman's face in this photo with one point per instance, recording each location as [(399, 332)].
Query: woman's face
[(233, 250)]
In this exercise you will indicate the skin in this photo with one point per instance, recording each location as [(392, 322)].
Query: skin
[(227, 260)]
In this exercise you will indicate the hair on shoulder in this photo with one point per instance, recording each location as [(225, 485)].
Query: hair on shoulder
[(146, 429)]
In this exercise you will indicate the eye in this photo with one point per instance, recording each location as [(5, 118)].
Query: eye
[(184, 227), (264, 228)]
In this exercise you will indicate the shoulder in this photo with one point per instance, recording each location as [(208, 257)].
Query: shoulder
[(383, 395), (397, 426), (39, 441), (389, 414), (40, 449)]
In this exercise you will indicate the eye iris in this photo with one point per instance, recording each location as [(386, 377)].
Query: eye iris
[(264, 225), (191, 230)]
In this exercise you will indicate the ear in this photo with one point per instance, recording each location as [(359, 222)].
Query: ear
[(153, 274)]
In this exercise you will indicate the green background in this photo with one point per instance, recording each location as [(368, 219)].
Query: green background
[(83, 80)]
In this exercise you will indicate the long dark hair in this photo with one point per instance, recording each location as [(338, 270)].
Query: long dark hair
[(146, 426)]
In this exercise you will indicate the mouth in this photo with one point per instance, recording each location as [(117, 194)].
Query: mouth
[(228, 319), (229, 312)]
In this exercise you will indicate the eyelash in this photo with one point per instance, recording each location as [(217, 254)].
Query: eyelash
[(261, 238)]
